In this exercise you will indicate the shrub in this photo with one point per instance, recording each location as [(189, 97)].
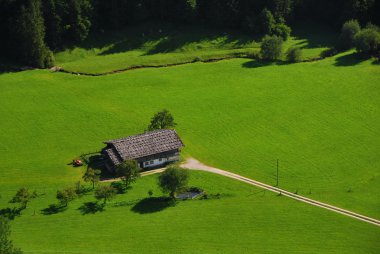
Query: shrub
[(49, 59), (271, 47), (329, 52), (294, 55), (368, 41), (349, 30), (119, 187), (282, 30)]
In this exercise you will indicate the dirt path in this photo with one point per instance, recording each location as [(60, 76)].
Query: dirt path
[(196, 165), (193, 164)]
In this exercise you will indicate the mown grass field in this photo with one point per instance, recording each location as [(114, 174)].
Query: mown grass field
[(243, 220), (161, 44), (319, 119)]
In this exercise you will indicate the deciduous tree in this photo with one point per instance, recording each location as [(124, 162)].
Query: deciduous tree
[(162, 120), (129, 171), (23, 196), (368, 41), (173, 179), (92, 175), (66, 195), (105, 193)]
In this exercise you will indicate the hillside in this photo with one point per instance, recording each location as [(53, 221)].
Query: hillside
[(319, 119)]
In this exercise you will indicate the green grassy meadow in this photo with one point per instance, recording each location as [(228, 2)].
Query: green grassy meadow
[(320, 119), (164, 44), (243, 220)]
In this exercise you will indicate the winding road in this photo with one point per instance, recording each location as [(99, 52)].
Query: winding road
[(193, 164)]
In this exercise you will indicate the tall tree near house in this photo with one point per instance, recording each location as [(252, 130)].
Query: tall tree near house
[(92, 175), (129, 171), (173, 179), (66, 195), (162, 120), (6, 245), (105, 193)]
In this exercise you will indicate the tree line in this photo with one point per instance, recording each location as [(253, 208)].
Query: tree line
[(32, 29)]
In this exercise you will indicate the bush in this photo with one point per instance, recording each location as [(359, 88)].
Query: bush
[(329, 52), (119, 187), (368, 41), (49, 59), (349, 30), (271, 47), (282, 31), (294, 55)]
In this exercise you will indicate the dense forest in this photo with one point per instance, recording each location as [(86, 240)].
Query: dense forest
[(32, 29)]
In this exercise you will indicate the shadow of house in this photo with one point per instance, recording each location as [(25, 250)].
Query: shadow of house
[(153, 205), (350, 60), (91, 208)]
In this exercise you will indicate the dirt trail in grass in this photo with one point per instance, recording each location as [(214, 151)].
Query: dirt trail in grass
[(193, 164)]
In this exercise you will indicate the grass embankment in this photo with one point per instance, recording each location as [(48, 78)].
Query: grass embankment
[(161, 44), (320, 119)]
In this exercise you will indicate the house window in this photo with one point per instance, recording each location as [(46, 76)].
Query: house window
[(146, 163), (160, 159), (151, 162)]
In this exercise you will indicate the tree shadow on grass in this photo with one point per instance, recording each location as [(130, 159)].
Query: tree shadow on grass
[(152, 205), (350, 60), (376, 62), (10, 213), (91, 208), (256, 64), (53, 209)]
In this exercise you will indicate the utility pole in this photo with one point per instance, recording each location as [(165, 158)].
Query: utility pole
[(277, 173)]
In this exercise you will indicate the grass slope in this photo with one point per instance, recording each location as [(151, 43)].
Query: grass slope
[(157, 44), (320, 119), (243, 220)]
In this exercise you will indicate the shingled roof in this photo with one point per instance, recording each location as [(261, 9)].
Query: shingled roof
[(137, 146)]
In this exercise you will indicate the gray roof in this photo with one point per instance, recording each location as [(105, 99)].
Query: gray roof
[(137, 146)]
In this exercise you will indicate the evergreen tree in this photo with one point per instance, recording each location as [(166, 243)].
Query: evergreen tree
[(78, 20), (29, 34), (53, 23), (265, 23)]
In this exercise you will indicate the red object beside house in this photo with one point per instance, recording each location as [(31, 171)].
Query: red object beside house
[(78, 163)]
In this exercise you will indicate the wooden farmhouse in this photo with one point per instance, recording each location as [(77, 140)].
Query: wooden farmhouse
[(150, 149)]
